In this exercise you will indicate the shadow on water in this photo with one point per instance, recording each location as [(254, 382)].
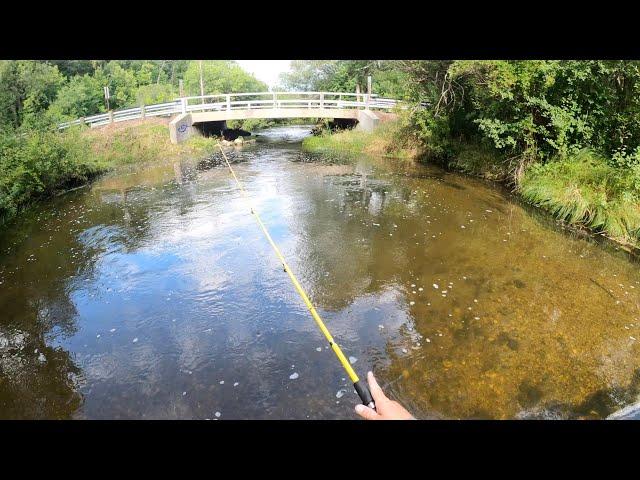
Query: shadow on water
[(38, 379)]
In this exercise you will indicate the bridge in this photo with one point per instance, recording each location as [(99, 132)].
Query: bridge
[(191, 111)]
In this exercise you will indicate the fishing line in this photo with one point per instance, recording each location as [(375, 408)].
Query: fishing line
[(361, 387)]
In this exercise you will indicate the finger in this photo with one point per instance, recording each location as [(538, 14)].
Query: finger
[(366, 412), (376, 391)]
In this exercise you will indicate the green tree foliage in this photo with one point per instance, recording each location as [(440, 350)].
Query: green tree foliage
[(220, 76), (308, 75), (155, 93), (533, 110), (72, 68), (122, 83), (79, 97), (343, 76), (26, 88), (37, 93)]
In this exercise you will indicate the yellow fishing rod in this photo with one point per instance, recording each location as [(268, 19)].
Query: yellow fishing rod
[(361, 388)]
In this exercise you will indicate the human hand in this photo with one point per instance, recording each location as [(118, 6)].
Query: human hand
[(385, 409)]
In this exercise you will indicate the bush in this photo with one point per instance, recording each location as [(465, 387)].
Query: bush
[(36, 164)]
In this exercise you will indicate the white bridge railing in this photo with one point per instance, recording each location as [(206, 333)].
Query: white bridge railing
[(243, 101)]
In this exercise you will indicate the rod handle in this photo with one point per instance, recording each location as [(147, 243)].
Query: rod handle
[(365, 394)]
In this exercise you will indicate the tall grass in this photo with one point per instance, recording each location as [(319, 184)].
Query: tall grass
[(389, 139), (140, 142), (587, 191)]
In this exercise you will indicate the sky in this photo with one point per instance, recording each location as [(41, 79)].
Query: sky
[(266, 70)]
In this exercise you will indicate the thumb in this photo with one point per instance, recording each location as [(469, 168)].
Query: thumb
[(366, 412), (376, 392)]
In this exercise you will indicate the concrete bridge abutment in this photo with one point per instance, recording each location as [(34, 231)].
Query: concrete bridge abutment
[(181, 128), (367, 120)]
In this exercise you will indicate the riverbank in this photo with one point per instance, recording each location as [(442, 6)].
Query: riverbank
[(583, 190), (388, 140), (42, 163)]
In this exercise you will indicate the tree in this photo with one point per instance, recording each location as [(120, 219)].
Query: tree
[(122, 83), (220, 76), (308, 75), (27, 88), (532, 110), (155, 93), (72, 68), (80, 97), (388, 80)]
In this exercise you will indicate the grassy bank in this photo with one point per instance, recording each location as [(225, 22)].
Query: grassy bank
[(139, 142), (390, 139), (37, 164), (584, 189)]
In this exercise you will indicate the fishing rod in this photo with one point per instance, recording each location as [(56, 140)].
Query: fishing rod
[(361, 387)]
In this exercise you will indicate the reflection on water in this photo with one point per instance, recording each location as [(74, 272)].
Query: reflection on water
[(153, 294)]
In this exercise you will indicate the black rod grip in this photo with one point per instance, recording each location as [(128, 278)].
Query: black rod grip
[(365, 394)]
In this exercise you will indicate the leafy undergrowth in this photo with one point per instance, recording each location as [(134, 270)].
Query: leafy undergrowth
[(585, 190)]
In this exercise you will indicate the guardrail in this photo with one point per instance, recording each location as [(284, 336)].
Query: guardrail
[(243, 101)]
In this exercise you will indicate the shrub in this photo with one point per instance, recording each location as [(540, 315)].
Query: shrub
[(36, 164)]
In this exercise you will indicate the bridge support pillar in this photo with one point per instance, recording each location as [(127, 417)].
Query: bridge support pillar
[(181, 128), (367, 120)]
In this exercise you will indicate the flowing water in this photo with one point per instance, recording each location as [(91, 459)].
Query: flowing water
[(153, 294)]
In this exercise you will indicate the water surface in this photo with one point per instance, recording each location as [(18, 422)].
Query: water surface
[(153, 294)]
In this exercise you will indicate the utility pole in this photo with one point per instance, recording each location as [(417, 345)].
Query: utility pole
[(201, 82), (160, 71), (106, 96), (181, 87), (368, 91)]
